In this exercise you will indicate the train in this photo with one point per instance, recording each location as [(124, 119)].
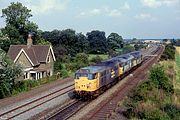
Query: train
[(93, 80)]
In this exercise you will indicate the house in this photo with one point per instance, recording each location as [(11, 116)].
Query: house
[(36, 60)]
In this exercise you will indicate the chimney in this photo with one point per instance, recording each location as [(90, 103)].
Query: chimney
[(29, 41)]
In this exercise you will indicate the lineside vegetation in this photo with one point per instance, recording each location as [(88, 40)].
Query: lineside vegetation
[(158, 97)]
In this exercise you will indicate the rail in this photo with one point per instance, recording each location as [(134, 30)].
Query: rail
[(7, 113)]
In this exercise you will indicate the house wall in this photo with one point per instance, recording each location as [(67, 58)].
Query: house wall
[(23, 60), (49, 65)]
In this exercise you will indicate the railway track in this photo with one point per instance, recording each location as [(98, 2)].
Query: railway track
[(103, 111), (71, 109), (19, 110)]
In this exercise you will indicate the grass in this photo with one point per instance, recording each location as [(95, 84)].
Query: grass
[(103, 56), (177, 59), (177, 81)]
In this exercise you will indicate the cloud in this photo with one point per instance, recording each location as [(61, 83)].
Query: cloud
[(114, 13), (95, 12), (105, 11), (145, 16), (158, 3), (45, 6), (126, 6)]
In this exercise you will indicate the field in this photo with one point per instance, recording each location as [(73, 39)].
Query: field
[(177, 81), (178, 49), (103, 56)]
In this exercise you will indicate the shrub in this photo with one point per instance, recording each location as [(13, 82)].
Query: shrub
[(96, 59), (25, 85), (5, 89), (74, 66), (169, 53), (82, 58), (156, 114), (160, 79), (64, 73), (172, 111), (58, 66)]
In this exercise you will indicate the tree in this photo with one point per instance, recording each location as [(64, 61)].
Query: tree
[(97, 41), (114, 41), (82, 43), (82, 58), (17, 24), (8, 75), (128, 48), (68, 40), (52, 36)]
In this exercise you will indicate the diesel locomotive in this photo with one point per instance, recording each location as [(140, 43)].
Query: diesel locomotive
[(93, 80)]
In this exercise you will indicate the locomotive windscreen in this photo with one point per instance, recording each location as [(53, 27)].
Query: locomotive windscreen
[(84, 70), (90, 76)]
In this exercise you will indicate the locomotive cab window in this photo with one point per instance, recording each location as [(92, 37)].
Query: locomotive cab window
[(92, 76), (77, 75)]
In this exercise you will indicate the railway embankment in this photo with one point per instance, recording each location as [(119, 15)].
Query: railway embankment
[(158, 97)]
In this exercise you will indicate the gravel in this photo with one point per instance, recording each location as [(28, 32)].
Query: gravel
[(29, 96)]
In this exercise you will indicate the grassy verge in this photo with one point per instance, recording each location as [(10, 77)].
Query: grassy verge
[(177, 59), (26, 85), (177, 80), (103, 56)]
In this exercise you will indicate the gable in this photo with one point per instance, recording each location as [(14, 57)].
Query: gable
[(50, 55), (23, 60)]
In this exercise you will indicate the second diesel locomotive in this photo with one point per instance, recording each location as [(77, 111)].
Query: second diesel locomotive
[(92, 80)]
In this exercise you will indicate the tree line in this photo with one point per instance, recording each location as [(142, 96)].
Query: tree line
[(65, 41), (69, 42)]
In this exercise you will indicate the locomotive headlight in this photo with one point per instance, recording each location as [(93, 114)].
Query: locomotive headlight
[(89, 85)]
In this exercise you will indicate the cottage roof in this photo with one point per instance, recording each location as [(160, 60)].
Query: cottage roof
[(35, 53)]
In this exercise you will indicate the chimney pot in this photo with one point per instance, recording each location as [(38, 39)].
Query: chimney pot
[(29, 41)]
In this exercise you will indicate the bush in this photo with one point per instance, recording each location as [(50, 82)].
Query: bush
[(5, 90), (160, 79), (64, 73), (25, 85), (172, 111), (96, 59), (156, 114), (74, 66), (82, 58), (58, 66), (169, 53)]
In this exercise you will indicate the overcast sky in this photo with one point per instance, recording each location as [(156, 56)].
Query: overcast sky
[(128, 18)]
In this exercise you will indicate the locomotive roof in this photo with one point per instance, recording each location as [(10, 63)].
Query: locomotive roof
[(100, 67), (92, 69), (136, 54), (109, 63), (126, 57)]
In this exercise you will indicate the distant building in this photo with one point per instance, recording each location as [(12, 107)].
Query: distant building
[(152, 41), (37, 61), (167, 42)]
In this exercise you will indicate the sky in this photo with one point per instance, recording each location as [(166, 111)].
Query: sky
[(128, 18)]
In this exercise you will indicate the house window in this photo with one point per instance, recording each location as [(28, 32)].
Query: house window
[(48, 60), (26, 75)]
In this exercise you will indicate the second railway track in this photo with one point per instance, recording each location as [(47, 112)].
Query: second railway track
[(19, 110)]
